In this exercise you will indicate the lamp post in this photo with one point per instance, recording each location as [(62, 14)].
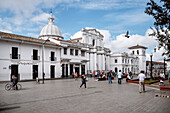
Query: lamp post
[(43, 74), (151, 66), (164, 66)]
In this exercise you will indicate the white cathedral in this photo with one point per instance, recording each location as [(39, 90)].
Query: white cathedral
[(28, 58)]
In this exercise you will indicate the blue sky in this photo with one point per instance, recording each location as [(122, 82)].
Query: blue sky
[(114, 17)]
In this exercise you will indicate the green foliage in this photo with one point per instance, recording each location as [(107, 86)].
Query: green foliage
[(149, 81), (161, 15)]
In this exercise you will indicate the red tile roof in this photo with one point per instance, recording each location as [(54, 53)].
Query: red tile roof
[(137, 46), (24, 38)]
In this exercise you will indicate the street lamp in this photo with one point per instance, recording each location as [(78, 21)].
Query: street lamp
[(164, 66), (43, 74), (151, 66)]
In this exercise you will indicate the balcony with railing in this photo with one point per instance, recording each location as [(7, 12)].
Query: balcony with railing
[(35, 57), (15, 56), (53, 59)]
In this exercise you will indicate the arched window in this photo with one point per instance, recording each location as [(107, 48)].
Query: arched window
[(133, 52), (138, 52)]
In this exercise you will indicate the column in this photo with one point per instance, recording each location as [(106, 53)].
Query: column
[(103, 62), (80, 69), (68, 69), (74, 68)]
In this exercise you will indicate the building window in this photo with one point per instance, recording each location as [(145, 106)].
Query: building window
[(82, 53), (93, 43), (52, 56), (35, 54), (116, 69), (76, 52), (71, 52), (132, 61), (14, 53), (143, 52), (65, 51), (133, 52), (123, 60), (138, 52), (115, 60)]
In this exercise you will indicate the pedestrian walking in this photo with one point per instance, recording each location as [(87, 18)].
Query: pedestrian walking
[(94, 74), (119, 76), (162, 75), (141, 78), (83, 80), (109, 77), (98, 74), (76, 76)]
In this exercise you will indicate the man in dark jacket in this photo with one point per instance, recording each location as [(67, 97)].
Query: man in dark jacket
[(83, 81), (109, 74)]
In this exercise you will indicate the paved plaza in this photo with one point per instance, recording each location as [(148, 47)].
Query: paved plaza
[(64, 96)]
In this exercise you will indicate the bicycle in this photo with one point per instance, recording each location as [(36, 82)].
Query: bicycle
[(9, 86)]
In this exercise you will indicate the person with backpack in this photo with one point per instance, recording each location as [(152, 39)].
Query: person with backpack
[(83, 80), (110, 77)]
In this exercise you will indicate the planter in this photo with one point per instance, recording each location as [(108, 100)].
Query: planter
[(165, 88), (137, 81)]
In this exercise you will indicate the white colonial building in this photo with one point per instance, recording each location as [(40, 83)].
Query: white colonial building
[(133, 62), (23, 56)]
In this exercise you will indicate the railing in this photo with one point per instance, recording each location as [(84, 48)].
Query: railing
[(53, 58), (35, 58), (15, 56)]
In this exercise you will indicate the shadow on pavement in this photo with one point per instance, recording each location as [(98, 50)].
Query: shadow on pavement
[(9, 108)]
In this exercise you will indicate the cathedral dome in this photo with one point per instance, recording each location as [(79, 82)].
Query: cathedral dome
[(51, 30)]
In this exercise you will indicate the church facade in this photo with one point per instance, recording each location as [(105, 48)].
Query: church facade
[(28, 58)]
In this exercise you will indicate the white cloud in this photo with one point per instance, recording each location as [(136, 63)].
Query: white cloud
[(5, 26), (33, 35), (41, 17), (18, 13), (108, 4)]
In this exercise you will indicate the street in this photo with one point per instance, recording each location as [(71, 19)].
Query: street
[(64, 96)]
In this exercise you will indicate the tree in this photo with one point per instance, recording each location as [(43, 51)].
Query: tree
[(161, 30)]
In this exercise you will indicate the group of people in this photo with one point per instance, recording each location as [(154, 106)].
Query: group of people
[(129, 76), (108, 75)]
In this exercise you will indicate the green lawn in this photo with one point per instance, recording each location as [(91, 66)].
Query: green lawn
[(148, 81)]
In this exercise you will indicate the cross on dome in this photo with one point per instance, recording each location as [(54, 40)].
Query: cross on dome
[(51, 19)]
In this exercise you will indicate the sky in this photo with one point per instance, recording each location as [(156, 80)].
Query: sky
[(111, 17)]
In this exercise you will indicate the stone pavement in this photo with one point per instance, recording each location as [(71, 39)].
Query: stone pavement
[(64, 96)]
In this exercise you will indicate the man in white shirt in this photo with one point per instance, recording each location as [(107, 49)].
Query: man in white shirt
[(119, 76), (162, 78), (141, 78)]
